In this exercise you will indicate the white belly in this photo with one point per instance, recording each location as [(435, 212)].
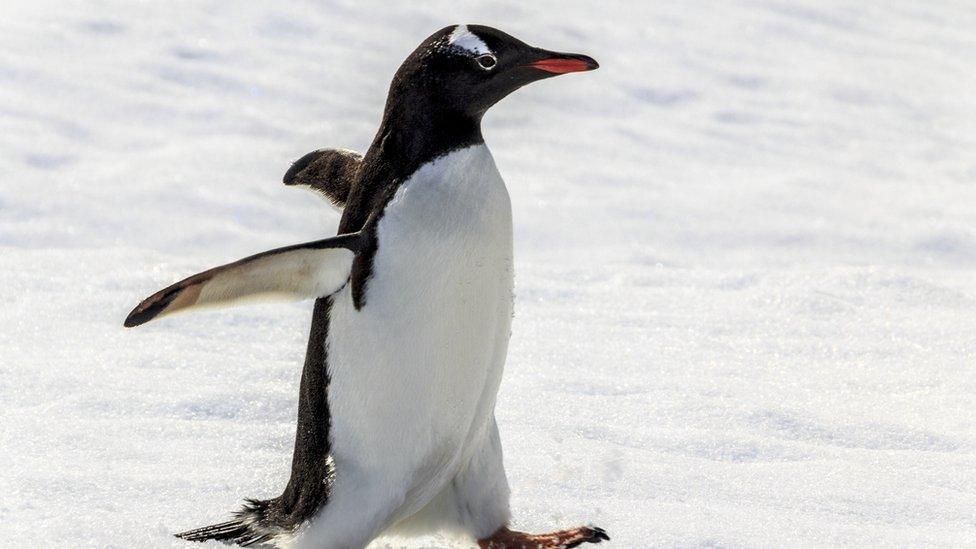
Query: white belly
[(415, 372)]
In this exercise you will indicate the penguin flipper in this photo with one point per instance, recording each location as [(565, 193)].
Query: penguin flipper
[(303, 271), (329, 172)]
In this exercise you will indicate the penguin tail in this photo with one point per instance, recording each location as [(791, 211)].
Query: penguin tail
[(247, 528)]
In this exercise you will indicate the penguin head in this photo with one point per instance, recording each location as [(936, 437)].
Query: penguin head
[(469, 68)]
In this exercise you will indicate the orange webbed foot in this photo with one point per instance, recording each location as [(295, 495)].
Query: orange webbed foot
[(504, 538)]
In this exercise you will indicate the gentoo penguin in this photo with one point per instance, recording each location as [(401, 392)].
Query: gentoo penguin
[(413, 306)]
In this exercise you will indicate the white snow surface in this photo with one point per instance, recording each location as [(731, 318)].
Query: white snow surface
[(745, 253)]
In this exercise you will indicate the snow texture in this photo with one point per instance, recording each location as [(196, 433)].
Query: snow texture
[(745, 250)]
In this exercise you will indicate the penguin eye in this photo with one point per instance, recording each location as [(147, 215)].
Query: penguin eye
[(486, 61)]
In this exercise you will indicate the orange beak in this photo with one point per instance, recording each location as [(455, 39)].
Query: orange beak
[(564, 63)]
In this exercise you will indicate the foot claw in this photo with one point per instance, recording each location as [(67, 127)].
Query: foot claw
[(590, 534), (598, 533)]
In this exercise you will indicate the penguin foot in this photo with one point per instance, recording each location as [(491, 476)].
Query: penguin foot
[(563, 539)]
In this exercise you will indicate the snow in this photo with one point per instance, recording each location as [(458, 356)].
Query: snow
[(744, 255)]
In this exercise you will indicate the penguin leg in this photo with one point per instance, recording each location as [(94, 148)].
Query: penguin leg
[(481, 501), (360, 506), (563, 539), (473, 504)]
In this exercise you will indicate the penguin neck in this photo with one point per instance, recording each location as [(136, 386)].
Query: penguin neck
[(415, 132)]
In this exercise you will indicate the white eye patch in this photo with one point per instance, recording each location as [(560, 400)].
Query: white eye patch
[(465, 40)]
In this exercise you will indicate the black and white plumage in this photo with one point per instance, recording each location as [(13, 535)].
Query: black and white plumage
[(396, 428)]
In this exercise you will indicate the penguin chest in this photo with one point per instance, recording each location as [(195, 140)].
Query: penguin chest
[(415, 371)]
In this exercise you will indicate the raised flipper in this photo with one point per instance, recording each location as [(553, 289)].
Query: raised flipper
[(303, 271), (329, 172)]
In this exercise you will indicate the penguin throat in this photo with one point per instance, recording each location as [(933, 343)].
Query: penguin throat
[(420, 133)]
